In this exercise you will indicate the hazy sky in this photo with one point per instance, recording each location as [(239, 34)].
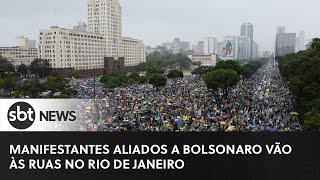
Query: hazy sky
[(157, 21)]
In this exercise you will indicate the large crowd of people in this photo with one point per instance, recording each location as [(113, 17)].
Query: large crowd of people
[(260, 103)]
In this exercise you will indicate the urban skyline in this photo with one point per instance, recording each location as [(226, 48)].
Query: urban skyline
[(18, 24)]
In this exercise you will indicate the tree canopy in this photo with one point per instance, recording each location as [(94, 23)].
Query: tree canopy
[(175, 74), (221, 79), (302, 71)]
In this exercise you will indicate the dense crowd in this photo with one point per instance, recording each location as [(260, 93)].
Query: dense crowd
[(261, 103)]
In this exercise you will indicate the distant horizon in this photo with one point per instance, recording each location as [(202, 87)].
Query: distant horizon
[(161, 21)]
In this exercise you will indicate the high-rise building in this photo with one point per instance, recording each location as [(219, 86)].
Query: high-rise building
[(134, 51), (297, 45), (244, 48), (285, 43), (302, 41), (247, 30), (220, 49), (200, 47), (176, 46), (281, 29), (210, 45), (185, 46), (104, 17), (255, 53), (194, 48)]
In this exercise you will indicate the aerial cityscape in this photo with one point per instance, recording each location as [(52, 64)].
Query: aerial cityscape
[(223, 83)]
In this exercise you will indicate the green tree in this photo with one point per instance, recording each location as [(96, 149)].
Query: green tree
[(229, 64), (158, 80), (222, 79), (40, 67), (311, 122), (5, 66), (141, 67), (75, 74), (316, 44), (203, 70), (175, 74), (54, 84), (23, 69)]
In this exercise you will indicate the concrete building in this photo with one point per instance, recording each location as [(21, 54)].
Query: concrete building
[(302, 41), (104, 17), (176, 46), (210, 45), (81, 27), (194, 48), (220, 49), (205, 59), (200, 47), (244, 48), (285, 44), (150, 50), (255, 53), (22, 41), (247, 30), (19, 55), (134, 51), (65, 48), (184, 47)]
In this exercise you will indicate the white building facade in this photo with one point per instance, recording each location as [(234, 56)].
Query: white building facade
[(104, 17), (176, 46), (65, 48), (19, 55), (134, 51), (205, 59), (210, 45), (244, 48)]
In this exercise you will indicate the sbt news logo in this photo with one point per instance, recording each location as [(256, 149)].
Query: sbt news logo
[(22, 115)]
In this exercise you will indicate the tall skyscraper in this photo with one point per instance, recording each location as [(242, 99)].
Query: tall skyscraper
[(244, 48), (302, 41), (210, 45), (220, 49), (255, 53), (247, 30), (200, 47), (184, 46), (285, 43), (104, 17), (176, 46)]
